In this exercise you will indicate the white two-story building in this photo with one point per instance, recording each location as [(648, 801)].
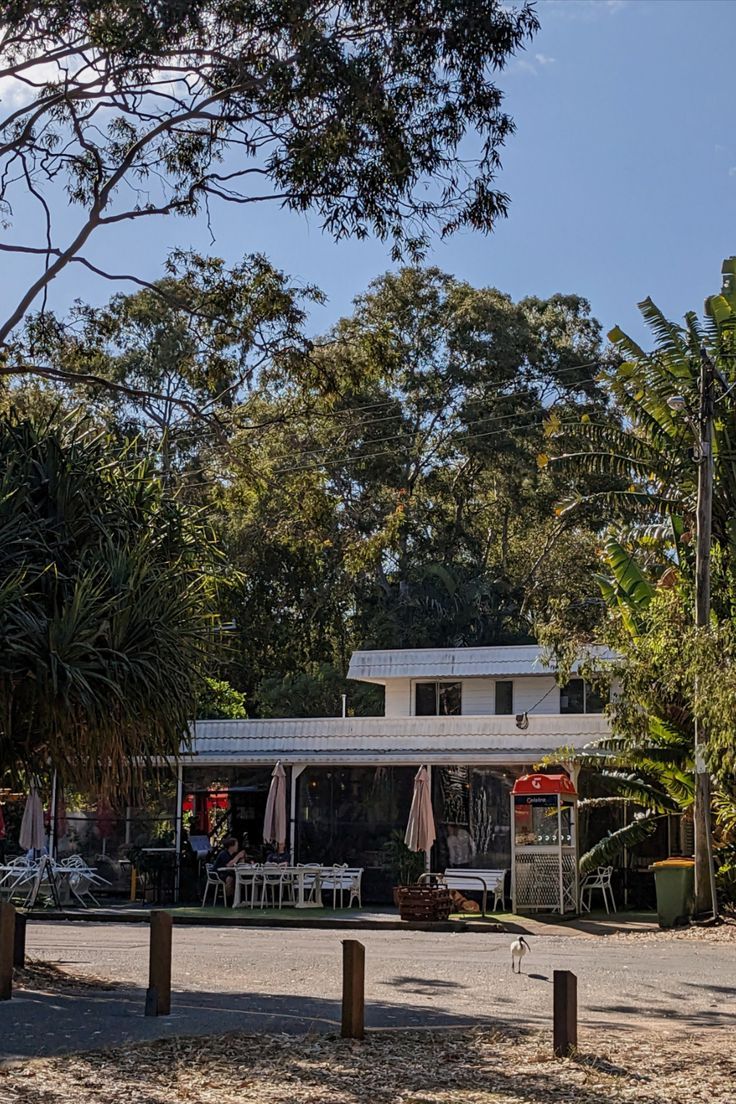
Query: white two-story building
[(477, 717)]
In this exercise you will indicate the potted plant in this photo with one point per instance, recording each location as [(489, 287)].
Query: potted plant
[(403, 865)]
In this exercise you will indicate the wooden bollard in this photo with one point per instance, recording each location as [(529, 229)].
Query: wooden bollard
[(565, 1013), (19, 942), (159, 962), (353, 989), (7, 946)]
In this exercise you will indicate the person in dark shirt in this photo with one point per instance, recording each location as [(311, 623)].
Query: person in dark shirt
[(226, 858)]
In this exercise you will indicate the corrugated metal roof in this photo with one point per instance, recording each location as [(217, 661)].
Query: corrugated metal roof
[(503, 662), (397, 739)]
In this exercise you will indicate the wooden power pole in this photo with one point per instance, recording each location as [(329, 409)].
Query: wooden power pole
[(705, 889)]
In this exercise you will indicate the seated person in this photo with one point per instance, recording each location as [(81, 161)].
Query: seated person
[(227, 857), (283, 858)]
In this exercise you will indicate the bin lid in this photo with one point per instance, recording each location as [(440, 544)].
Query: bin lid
[(544, 784), (674, 860)]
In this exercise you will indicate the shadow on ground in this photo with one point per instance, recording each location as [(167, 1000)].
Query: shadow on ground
[(39, 1023)]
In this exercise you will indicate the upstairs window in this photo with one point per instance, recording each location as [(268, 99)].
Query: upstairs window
[(438, 699), (578, 696), (504, 697)]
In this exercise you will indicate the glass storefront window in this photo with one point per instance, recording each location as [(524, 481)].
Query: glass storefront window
[(472, 816), (223, 801), (349, 814)]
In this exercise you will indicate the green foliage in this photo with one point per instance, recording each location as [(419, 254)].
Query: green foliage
[(105, 600), (181, 351), (609, 848), (670, 674), (393, 498), (316, 692), (403, 865), (219, 701)]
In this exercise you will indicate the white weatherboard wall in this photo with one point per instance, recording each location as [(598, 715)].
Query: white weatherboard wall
[(528, 691), (398, 698), (479, 697)]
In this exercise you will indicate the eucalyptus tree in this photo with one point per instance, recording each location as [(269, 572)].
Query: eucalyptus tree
[(107, 592), (172, 362), (380, 117), (395, 499)]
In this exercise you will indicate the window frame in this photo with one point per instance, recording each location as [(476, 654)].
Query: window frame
[(496, 684), (436, 683), (584, 711)]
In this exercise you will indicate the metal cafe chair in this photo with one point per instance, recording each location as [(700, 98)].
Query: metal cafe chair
[(599, 879), (214, 882)]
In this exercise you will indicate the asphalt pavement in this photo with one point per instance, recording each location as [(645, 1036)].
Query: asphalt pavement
[(277, 980)]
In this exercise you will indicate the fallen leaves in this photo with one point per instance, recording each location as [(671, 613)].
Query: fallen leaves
[(45, 976), (403, 1067)]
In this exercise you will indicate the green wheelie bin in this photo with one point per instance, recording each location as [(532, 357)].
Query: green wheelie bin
[(674, 880)]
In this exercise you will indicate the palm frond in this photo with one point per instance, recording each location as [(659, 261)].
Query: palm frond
[(610, 847)]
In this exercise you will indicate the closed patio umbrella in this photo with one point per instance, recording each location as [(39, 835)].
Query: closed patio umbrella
[(32, 835), (274, 822), (420, 834)]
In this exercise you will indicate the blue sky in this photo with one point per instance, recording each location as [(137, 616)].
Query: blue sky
[(622, 177)]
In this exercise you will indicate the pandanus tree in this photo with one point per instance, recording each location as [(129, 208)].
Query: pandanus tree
[(105, 602)]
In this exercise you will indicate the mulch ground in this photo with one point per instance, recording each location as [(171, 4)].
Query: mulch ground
[(725, 932), (472, 1067), (47, 977)]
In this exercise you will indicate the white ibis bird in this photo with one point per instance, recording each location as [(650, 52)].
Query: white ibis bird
[(519, 948)]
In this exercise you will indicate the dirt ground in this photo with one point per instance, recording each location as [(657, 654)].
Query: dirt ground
[(468, 1067)]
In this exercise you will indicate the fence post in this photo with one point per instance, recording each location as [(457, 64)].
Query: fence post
[(19, 942), (565, 1013), (353, 989), (159, 963), (7, 941)]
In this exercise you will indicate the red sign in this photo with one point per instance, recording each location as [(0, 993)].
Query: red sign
[(544, 784)]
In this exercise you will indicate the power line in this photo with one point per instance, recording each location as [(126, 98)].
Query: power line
[(392, 452), (366, 426)]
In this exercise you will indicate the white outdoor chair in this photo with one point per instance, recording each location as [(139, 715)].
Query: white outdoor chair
[(18, 880), (499, 894), (599, 879), (246, 885), (271, 883), (214, 882), (78, 863), (313, 883), (354, 889), (336, 879), (80, 886)]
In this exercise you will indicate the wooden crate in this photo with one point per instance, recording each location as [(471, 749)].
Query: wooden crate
[(424, 902)]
